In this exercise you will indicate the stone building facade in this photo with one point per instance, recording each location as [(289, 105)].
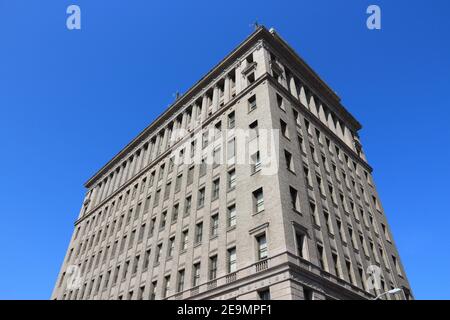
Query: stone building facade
[(189, 210)]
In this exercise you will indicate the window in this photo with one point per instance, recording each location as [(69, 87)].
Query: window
[(190, 177), (231, 120), (256, 162), (232, 260), (320, 185), (184, 240), (158, 253), (213, 267), (327, 221), (215, 189), (321, 257), (217, 130), (202, 170), (258, 201), (141, 233), (296, 117), (232, 215), (171, 247), (217, 157), (284, 129), (336, 264), (231, 179), (201, 198), (166, 286), (180, 284), (289, 162), (252, 103), (251, 78), (161, 172), (146, 259), (214, 225), (196, 275), (204, 140), (315, 218), (253, 130), (178, 183), (307, 294), (193, 146), (280, 102), (156, 201), (175, 213), (307, 177), (187, 206), (396, 265), (153, 290), (294, 199), (167, 191), (264, 294), (143, 185), (348, 264), (171, 164), (198, 232), (152, 227), (136, 264), (231, 148), (385, 231), (262, 246), (301, 245), (163, 220), (141, 293), (147, 204)]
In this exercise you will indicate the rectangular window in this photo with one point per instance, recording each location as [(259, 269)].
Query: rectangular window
[(289, 161), (232, 260), (178, 183), (213, 267), (231, 179), (167, 191), (280, 102), (214, 225), (264, 294), (163, 220), (232, 216), (301, 245), (158, 253), (256, 162), (258, 201), (215, 189), (184, 240), (175, 213), (217, 157), (262, 247), (231, 148), (252, 103), (190, 177), (166, 286), (201, 198), (198, 232), (187, 206), (171, 247), (294, 199), (202, 170), (231, 120), (284, 129), (180, 284), (196, 275)]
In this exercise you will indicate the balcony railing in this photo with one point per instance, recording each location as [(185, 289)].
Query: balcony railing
[(262, 265)]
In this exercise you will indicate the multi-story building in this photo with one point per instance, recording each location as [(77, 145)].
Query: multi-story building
[(180, 213)]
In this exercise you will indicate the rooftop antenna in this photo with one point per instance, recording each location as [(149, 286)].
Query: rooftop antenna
[(255, 25), (177, 95)]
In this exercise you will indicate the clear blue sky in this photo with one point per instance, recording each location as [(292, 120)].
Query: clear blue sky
[(69, 100)]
